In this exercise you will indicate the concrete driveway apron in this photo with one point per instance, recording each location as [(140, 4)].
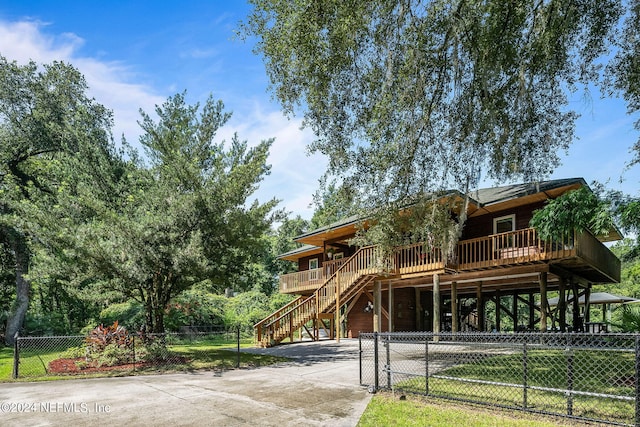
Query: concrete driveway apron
[(319, 387)]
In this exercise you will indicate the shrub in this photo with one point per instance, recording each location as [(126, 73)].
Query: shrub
[(154, 350), (114, 354), (108, 345), (195, 308)]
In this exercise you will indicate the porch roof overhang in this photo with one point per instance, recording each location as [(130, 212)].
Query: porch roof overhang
[(492, 200), (339, 229), (297, 253), (598, 298)]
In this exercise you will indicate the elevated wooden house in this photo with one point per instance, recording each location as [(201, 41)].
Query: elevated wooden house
[(501, 270)]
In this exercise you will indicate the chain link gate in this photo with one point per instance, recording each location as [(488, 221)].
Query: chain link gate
[(582, 376)]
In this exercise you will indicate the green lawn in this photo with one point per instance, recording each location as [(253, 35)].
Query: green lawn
[(212, 354), (387, 410), (594, 372)]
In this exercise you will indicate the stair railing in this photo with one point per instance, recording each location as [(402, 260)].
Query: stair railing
[(293, 316), (259, 328), (365, 261)]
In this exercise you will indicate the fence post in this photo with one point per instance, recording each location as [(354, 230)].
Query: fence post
[(133, 348), (238, 353), (388, 365), (569, 352), (525, 373), (375, 361), (637, 381), (16, 355), (426, 365), (360, 356)]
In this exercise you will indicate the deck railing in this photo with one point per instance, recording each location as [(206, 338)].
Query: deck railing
[(330, 267), (306, 280), (597, 254), (417, 258), (513, 247), (498, 250)]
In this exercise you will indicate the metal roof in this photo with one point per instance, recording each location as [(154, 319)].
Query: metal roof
[(597, 298), (482, 199)]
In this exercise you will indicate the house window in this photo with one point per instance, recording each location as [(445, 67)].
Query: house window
[(504, 224), (313, 269), (338, 255)]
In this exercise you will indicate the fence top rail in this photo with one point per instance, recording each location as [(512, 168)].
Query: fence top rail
[(626, 342), (39, 337), (506, 334), (132, 333)]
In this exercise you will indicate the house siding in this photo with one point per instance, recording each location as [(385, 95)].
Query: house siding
[(404, 313), (482, 226)]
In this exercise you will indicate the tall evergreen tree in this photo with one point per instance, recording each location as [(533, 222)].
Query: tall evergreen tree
[(186, 215)]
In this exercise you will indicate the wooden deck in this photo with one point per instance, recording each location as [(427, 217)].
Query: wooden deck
[(499, 256), (582, 253)]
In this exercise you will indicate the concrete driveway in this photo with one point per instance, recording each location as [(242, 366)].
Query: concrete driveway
[(319, 387)]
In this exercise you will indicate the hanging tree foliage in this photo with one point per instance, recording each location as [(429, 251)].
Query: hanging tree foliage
[(577, 210), (409, 99)]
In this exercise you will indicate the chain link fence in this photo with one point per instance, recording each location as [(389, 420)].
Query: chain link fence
[(582, 376), (124, 354)]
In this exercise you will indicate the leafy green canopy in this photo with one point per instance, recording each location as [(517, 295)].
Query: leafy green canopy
[(184, 218), (412, 98), (578, 210), (47, 123)]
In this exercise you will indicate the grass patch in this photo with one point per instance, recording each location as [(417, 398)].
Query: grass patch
[(212, 353), (590, 371), (6, 363), (385, 409)]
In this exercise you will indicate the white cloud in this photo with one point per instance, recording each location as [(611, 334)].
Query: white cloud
[(109, 82), (200, 53), (294, 174)]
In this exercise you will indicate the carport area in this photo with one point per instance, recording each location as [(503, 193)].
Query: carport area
[(319, 387)]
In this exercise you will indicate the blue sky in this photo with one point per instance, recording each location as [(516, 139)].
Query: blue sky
[(136, 54)]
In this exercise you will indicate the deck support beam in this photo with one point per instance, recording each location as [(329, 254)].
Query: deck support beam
[(514, 311), (577, 324), (454, 307), (338, 317), (587, 305), (480, 307), (498, 324), (532, 311), (390, 309), (562, 304), (544, 302), (436, 304), (419, 318), (377, 306)]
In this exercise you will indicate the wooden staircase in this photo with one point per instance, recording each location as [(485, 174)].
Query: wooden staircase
[(356, 273)]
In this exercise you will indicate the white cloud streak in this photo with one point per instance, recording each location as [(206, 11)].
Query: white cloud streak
[(109, 82)]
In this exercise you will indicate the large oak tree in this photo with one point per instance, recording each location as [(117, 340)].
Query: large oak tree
[(46, 119), (412, 98)]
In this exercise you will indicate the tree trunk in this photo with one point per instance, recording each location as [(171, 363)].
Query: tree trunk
[(155, 302), (23, 287), (158, 320)]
